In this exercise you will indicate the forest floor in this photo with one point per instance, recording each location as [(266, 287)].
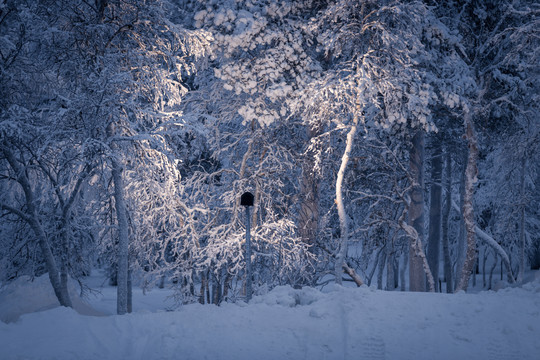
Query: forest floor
[(335, 323)]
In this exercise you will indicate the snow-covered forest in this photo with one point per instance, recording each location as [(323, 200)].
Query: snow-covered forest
[(388, 145)]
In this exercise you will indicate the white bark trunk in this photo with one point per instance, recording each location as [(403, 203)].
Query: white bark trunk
[(344, 241), (356, 278), (416, 249)]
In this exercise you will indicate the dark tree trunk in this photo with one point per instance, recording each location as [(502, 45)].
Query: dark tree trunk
[(434, 236), (203, 287), (130, 292), (123, 240), (522, 240), (535, 258), (308, 216), (226, 285), (417, 280), (461, 241), (449, 277), (391, 274), (402, 271), (471, 173), (380, 269), (216, 290)]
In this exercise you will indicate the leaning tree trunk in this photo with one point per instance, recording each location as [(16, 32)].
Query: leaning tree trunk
[(66, 205), (471, 173), (344, 226), (445, 218), (493, 244), (59, 286), (416, 213), (123, 240), (434, 234)]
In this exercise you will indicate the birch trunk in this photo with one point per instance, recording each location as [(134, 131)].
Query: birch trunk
[(435, 201), (344, 241), (471, 173), (416, 247), (416, 213), (356, 278)]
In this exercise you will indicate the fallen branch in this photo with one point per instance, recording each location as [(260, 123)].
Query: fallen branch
[(491, 242), (350, 271), (346, 267)]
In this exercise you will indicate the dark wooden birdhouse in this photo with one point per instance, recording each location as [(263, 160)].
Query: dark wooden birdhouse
[(246, 199)]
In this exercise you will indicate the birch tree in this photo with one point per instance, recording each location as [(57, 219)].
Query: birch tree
[(502, 56), (388, 64)]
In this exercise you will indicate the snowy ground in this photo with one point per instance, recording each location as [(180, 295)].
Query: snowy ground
[(338, 323)]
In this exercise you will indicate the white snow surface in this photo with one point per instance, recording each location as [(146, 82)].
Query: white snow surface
[(336, 323)]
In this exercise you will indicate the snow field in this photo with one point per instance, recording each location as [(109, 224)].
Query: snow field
[(337, 323)]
